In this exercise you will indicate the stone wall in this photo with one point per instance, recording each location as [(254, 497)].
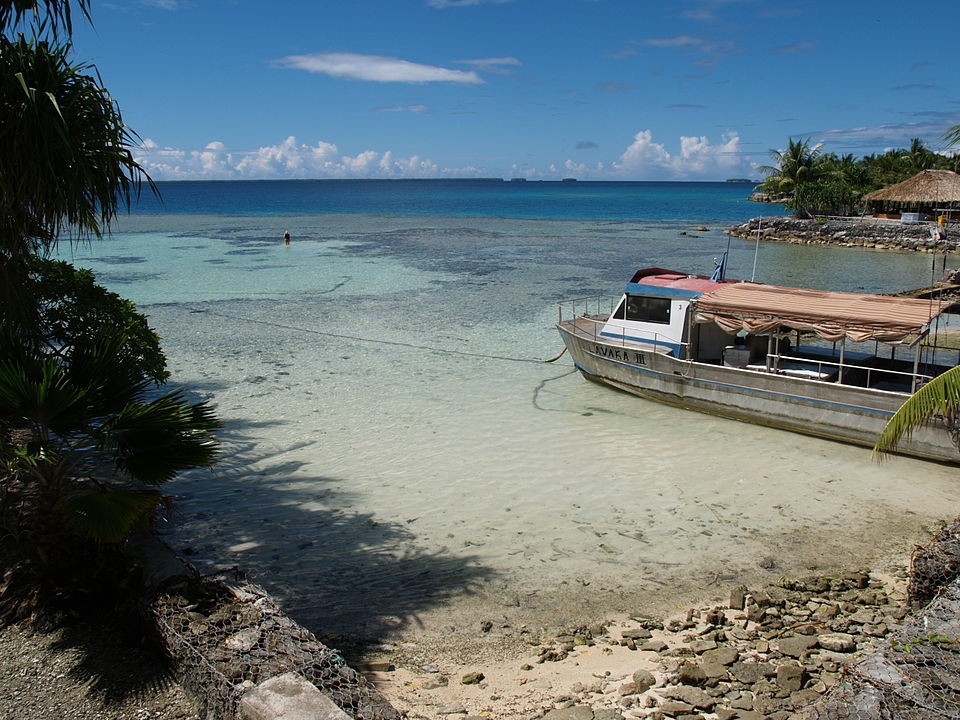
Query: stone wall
[(855, 232)]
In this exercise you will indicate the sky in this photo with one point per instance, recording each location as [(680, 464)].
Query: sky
[(541, 89)]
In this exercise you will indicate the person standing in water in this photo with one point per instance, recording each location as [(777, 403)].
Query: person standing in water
[(286, 238)]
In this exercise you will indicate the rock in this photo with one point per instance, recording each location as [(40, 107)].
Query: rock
[(629, 688), (795, 646), (721, 656), (750, 673), (290, 696), (644, 680), (691, 674), (473, 678), (714, 671), (453, 709), (607, 714), (715, 617), (791, 677), (435, 682), (655, 646), (672, 708), (838, 642), (243, 641), (636, 634), (692, 696), (738, 598), (701, 646), (724, 713), (576, 712)]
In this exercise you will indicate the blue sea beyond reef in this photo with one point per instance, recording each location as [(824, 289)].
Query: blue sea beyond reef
[(718, 201), (395, 448)]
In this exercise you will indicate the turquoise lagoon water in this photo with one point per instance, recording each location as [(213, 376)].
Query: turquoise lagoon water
[(395, 452)]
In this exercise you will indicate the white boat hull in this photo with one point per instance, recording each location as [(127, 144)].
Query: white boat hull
[(826, 409)]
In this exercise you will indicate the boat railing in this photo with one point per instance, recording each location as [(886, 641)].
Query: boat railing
[(589, 318), (828, 371), (594, 305)]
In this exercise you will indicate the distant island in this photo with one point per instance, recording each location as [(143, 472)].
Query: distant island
[(740, 180)]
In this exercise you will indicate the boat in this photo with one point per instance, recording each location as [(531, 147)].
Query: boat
[(832, 364)]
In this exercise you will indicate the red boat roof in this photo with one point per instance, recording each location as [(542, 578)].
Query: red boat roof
[(673, 280)]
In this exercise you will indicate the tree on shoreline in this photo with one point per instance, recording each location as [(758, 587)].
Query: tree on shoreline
[(795, 165), (826, 184), (81, 432)]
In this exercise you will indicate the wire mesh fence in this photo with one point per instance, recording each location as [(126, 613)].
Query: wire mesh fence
[(224, 640), (916, 674)]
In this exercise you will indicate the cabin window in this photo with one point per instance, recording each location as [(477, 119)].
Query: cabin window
[(648, 309), (618, 313)]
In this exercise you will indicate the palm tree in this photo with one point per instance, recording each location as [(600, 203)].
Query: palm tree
[(75, 371), (795, 165), (100, 446), (65, 161), (952, 136), (918, 157)]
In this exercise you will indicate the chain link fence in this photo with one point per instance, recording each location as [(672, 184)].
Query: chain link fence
[(916, 674), (225, 639)]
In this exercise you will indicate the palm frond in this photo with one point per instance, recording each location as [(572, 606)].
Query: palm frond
[(109, 514), (153, 441), (940, 396)]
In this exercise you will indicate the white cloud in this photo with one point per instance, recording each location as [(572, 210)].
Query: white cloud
[(698, 159), (500, 65), (462, 3), (644, 159), (676, 41), (403, 108), (376, 68), (288, 159)]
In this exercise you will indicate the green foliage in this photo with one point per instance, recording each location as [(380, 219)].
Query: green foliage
[(71, 305), (827, 184), (796, 165), (65, 161), (47, 16), (77, 363), (939, 397), (99, 445)]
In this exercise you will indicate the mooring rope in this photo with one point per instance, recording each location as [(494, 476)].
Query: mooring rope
[(357, 338)]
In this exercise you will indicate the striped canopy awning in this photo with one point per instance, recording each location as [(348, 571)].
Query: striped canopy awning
[(832, 315)]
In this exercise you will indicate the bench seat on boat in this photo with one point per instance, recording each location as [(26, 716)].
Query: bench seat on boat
[(798, 369)]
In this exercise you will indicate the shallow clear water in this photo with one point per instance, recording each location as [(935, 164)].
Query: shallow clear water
[(394, 446)]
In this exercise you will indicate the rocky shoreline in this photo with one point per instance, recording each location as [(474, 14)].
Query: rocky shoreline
[(767, 653), (872, 233)]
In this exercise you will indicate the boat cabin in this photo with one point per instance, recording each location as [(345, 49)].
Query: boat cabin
[(874, 341), (655, 311)]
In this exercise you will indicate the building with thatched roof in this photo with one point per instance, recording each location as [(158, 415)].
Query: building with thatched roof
[(930, 192)]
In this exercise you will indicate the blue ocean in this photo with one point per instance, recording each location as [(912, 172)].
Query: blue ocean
[(397, 455), (566, 200)]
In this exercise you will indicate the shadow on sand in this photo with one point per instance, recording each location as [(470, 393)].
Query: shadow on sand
[(339, 572)]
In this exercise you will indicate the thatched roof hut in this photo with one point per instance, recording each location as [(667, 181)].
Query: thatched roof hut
[(927, 191)]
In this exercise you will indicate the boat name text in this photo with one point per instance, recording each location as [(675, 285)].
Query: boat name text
[(620, 354)]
